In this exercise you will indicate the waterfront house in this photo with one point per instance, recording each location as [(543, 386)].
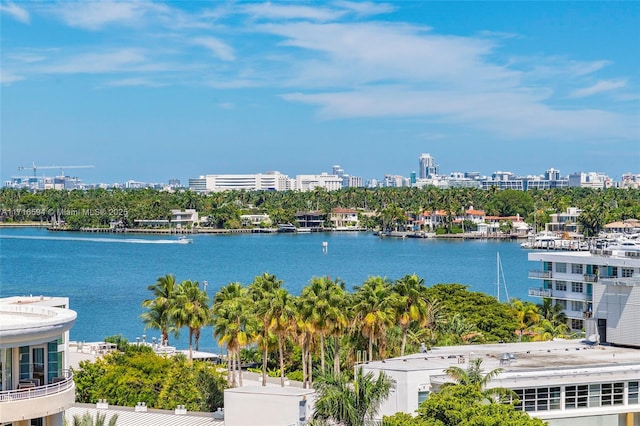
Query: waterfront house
[(344, 218), (311, 219), (184, 218), (36, 384)]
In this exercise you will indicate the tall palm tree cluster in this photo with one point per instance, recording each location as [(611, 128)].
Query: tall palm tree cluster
[(265, 315)]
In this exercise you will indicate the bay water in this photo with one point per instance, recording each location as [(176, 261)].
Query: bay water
[(105, 276)]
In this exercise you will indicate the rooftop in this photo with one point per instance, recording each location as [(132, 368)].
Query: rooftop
[(551, 356)]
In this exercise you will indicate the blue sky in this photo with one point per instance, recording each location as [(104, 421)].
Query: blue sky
[(155, 90)]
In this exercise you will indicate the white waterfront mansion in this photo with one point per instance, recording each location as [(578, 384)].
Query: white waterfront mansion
[(36, 386)]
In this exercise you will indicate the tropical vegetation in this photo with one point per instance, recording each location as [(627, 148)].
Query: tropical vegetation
[(380, 208), (138, 374)]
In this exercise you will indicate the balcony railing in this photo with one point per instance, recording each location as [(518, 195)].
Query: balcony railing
[(590, 278), (540, 292), (539, 274), (60, 384)]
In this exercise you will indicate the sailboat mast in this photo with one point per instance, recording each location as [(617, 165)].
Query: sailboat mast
[(498, 275)]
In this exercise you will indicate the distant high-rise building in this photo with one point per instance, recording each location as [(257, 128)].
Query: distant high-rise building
[(428, 167), (552, 174)]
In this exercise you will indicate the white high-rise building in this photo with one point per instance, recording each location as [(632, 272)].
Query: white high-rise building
[(428, 167)]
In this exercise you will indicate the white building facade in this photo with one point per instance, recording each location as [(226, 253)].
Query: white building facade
[(37, 386), (561, 382), (600, 288)]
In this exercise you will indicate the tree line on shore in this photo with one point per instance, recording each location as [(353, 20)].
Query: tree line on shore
[(386, 207), (317, 337), (327, 327)]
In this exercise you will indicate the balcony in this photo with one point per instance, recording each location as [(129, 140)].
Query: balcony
[(590, 278), (540, 274), (31, 401), (540, 292)]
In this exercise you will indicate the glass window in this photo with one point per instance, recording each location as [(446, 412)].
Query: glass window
[(576, 324), (561, 267), (576, 268), (576, 287), (576, 305), (422, 396), (627, 272), (561, 285), (633, 392), (25, 362)]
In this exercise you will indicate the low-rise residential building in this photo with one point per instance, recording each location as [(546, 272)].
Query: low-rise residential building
[(563, 382), (344, 218), (184, 218), (36, 384)]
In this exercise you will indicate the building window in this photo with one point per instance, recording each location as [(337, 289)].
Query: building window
[(562, 303), (561, 285), (561, 267), (576, 324), (576, 396), (538, 399), (576, 268), (577, 306), (627, 272), (422, 396), (576, 287), (633, 392)]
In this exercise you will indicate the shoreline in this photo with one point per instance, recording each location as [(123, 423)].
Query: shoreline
[(208, 231)]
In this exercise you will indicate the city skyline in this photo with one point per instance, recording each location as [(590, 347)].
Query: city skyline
[(153, 91)]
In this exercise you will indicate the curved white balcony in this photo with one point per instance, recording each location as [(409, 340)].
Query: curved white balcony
[(29, 401)]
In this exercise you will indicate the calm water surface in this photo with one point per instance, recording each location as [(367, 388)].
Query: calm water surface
[(106, 276)]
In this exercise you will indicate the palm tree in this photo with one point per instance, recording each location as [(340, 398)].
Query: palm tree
[(373, 310), (87, 419), (191, 309), (350, 403), (411, 306), (547, 330), (232, 325), (475, 377), (159, 307), (261, 290), (553, 313), (281, 316), (526, 314), (321, 305)]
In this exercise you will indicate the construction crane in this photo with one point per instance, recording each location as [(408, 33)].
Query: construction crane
[(61, 168)]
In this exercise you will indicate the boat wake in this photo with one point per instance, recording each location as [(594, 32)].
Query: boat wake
[(95, 240)]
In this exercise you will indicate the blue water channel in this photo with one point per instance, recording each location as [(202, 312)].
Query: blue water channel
[(106, 276)]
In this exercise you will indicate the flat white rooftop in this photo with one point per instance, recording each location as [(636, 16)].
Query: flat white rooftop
[(532, 359)]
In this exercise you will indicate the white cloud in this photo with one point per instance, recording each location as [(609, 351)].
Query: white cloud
[(365, 8), (599, 87), (104, 62), (219, 48), (277, 11), (7, 77), (226, 105), (508, 114), (18, 13), (134, 82), (94, 15)]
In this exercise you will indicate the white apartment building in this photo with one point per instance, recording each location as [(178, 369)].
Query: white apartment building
[(566, 382), (305, 183), (36, 385), (270, 181), (600, 285)]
